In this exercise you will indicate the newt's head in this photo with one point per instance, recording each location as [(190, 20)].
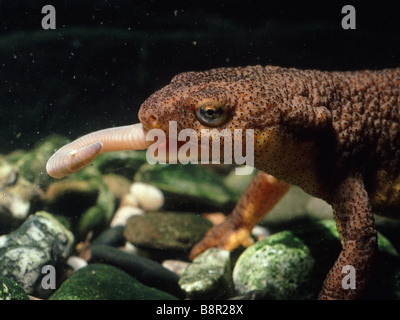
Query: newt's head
[(221, 100), (224, 98)]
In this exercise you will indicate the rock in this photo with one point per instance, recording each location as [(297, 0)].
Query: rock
[(176, 266), (149, 197), (113, 236), (279, 265), (146, 271), (260, 232), (130, 248), (41, 240), (214, 217), (209, 275), (132, 204), (9, 290), (105, 282), (76, 263), (188, 187), (85, 199), (18, 197), (168, 235), (123, 214), (254, 295)]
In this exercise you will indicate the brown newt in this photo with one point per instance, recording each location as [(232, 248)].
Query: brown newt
[(334, 134)]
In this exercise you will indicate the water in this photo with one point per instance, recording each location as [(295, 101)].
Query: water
[(92, 67)]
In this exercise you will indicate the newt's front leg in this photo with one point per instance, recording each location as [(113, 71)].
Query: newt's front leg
[(355, 223), (260, 196)]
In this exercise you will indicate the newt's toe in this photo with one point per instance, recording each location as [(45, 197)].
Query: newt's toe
[(224, 236)]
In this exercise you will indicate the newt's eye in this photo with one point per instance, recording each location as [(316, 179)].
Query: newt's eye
[(211, 113)]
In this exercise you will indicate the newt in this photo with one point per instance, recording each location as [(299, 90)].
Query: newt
[(334, 134)]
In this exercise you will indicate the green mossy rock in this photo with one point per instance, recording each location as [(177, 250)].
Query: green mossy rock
[(209, 275), (104, 282), (188, 187), (279, 265), (9, 290)]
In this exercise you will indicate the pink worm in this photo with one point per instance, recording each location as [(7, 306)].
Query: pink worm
[(77, 154)]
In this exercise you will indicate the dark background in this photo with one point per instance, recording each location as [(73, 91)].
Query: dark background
[(106, 57)]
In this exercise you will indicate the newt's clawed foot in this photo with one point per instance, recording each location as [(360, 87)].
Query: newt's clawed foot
[(226, 235)]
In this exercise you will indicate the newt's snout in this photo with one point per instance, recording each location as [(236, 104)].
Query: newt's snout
[(148, 119)]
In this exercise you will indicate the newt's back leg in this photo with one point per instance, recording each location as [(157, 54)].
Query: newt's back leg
[(260, 196), (355, 223)]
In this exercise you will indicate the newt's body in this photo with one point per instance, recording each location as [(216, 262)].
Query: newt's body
[(334, 134)]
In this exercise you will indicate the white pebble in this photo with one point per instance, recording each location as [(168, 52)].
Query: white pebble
[(122, 215), (19, 208), (150, 198), (260, 232), (76, 263), (130, 248), (176, 266), (129, 199)]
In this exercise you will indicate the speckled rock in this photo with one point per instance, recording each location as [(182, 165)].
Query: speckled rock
[(278, 265), (188, 187), (105, 282), (9, 290), (18, 197), (209, 275), (169, 235), (41, 240)]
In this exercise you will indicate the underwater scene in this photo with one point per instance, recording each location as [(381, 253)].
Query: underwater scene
[(199, 150)]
